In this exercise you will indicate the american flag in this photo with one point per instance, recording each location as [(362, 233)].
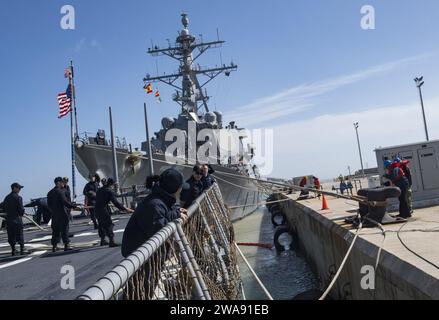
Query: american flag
[(64, 103)]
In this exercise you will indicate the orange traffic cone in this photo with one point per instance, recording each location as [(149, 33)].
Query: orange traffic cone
[(324, 203)]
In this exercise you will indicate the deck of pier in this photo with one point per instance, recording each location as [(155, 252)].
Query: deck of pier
[(38, 275)]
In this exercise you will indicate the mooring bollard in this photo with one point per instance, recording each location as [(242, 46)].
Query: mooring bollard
[(377, 202)]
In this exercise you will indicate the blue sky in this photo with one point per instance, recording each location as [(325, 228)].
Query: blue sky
[(306, 69)]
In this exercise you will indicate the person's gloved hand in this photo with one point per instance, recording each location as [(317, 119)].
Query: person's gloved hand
[(183, 214)]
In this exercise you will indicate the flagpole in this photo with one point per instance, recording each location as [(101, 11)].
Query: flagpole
[(74, 98), (73, 135), (73, 155)]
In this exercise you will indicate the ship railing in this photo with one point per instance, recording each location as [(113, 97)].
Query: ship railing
[(192, 260), (133, 190), (90, 138), (132, 195)]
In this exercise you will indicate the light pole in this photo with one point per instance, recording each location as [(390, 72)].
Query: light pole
[(359, 148), (419, 83)]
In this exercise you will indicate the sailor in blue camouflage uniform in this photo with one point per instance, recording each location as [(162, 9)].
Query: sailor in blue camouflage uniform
[(104, 196), (195, 187), (155, 211), (60, 207), (207, 179), (13, 206), (90, 190)]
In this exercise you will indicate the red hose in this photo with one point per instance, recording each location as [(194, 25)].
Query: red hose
[(255, 244)]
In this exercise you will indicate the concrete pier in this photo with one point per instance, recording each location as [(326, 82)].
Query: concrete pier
[(325, 238)]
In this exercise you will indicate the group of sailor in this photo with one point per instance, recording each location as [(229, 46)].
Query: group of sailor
[(160, 207)]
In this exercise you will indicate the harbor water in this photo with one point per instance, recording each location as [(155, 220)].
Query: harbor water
[(285, 275)]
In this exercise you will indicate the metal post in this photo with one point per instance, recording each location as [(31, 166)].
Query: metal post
[(113, 148), (72, 142), (148, 142), (218, 225), (72, 138), (215, 247), (419, 84), (74, 98), (359, 148), (423, 114), (189, 259)]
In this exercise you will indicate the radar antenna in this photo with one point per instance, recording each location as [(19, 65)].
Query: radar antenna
[(189, 95)]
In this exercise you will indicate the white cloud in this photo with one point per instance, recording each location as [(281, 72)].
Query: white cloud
[(84, 44), (80, 45), (299, 98), (327, 144)]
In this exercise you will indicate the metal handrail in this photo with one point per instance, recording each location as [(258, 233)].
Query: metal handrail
[(109, 285), (121, 142)]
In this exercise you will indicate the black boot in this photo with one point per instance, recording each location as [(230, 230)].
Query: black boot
[(67, 247), (22, 249), (54, 248), (13, 252), (104, 242), (96, 226)]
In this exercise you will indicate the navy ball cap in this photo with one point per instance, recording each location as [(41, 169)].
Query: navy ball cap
[(171, 180)]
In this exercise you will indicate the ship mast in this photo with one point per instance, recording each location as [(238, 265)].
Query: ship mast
[(189, 95)]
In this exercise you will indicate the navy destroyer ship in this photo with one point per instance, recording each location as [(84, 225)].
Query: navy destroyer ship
[(233, 172)]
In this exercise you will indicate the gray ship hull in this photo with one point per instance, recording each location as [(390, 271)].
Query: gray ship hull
[(237, 190)]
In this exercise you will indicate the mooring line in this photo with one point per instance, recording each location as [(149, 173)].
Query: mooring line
[(233, 184), (260, 203), (254, 273), (324, 295)]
